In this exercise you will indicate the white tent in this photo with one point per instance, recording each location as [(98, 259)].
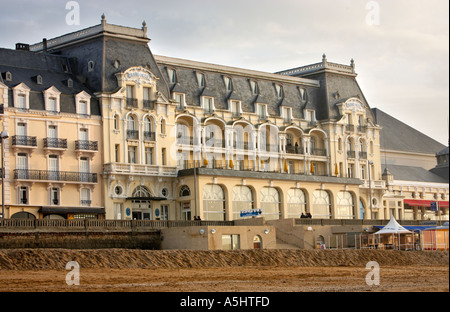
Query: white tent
[(393, 227)]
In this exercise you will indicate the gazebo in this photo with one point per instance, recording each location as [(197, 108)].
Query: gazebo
[(390, 236)]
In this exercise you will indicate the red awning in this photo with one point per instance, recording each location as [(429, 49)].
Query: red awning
[(425, 203)]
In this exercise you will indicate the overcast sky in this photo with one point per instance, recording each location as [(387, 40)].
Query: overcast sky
[(400, 47)]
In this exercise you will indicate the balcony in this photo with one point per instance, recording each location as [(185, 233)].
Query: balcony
[(84, 145), (147, 104), (52, 143), (23, 140), (362, 129), (132, 103), (153, 170), (132, 135), (349, 128), (362, 155), (319, 152), (294, 150), (149, 136), (63, 176), (351, 154)]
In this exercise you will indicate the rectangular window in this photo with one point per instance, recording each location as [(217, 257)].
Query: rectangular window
[(208, 104), (54, 196), (52, 133), (132, 154), (21, 101), (83, 135), (52, 104), (149, 156), (179, 99), (85, 199), (117, 153), (164, 212), (230, 242), (83, 108), (23, 195), (172, 75), (261, 111), (130, 92), (235, 108), (21, 129), (163, 156)]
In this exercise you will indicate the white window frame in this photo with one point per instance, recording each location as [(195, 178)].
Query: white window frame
[(49, 94), (182, 96), (205, 100), (264, 107), (286, 113), (21, 90), (239, 112), (83, 96)]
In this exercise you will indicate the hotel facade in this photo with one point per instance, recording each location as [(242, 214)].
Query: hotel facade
[(100, 127)]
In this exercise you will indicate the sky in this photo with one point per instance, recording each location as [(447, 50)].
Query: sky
[(400, 47)]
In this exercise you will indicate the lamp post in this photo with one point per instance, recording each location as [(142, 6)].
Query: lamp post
[(370, 190), (3, 136)]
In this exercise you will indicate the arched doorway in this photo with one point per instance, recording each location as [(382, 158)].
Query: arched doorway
[(257, 242), (141, 204)]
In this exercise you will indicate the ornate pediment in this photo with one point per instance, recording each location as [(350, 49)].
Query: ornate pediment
[(139, 75)]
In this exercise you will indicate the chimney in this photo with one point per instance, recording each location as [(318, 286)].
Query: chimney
[(44, 45)]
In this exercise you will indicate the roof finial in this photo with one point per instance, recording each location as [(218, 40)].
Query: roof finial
[(144, 27), (103, 19), (324, 58)]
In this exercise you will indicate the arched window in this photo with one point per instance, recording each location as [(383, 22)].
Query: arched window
[(116, 122), (270, 203), (213, 202), (321, 205), (242, 198), (185, 191), (345, 208), (141, 192), (296, 203)]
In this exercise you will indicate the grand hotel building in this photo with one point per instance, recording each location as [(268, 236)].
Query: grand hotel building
[(100, 127)]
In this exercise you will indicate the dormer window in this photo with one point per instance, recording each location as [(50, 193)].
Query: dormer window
[(254, 87), (208, 104), (303, 94), (279, 90), (179, 99), (51, 98), (235, 108), (261, 110), (286, 113), (83, 100), (8, 76), (69, 83), (21, 94), (39, 79), (201, 80), (172, 75), (228, 83)]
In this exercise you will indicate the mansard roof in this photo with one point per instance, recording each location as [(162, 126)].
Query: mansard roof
[(55, 71), (187, 83)]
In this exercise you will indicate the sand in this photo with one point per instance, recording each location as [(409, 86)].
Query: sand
[(124, 270)]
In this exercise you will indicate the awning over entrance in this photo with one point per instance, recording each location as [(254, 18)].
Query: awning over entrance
[(425, 203), (147, 198), (66, 210)]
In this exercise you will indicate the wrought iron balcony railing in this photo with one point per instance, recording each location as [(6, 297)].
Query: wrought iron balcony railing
[(132, 135), (24, 140), (319, 152), (351, 154), (148, 104), (55, 143), (363, 155), (149, 136), (131, 102), (46, 175), (86, 145)]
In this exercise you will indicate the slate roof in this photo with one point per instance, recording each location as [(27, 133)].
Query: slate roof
[(398, 136), (410, 173), (187, 83), (25, 66)]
